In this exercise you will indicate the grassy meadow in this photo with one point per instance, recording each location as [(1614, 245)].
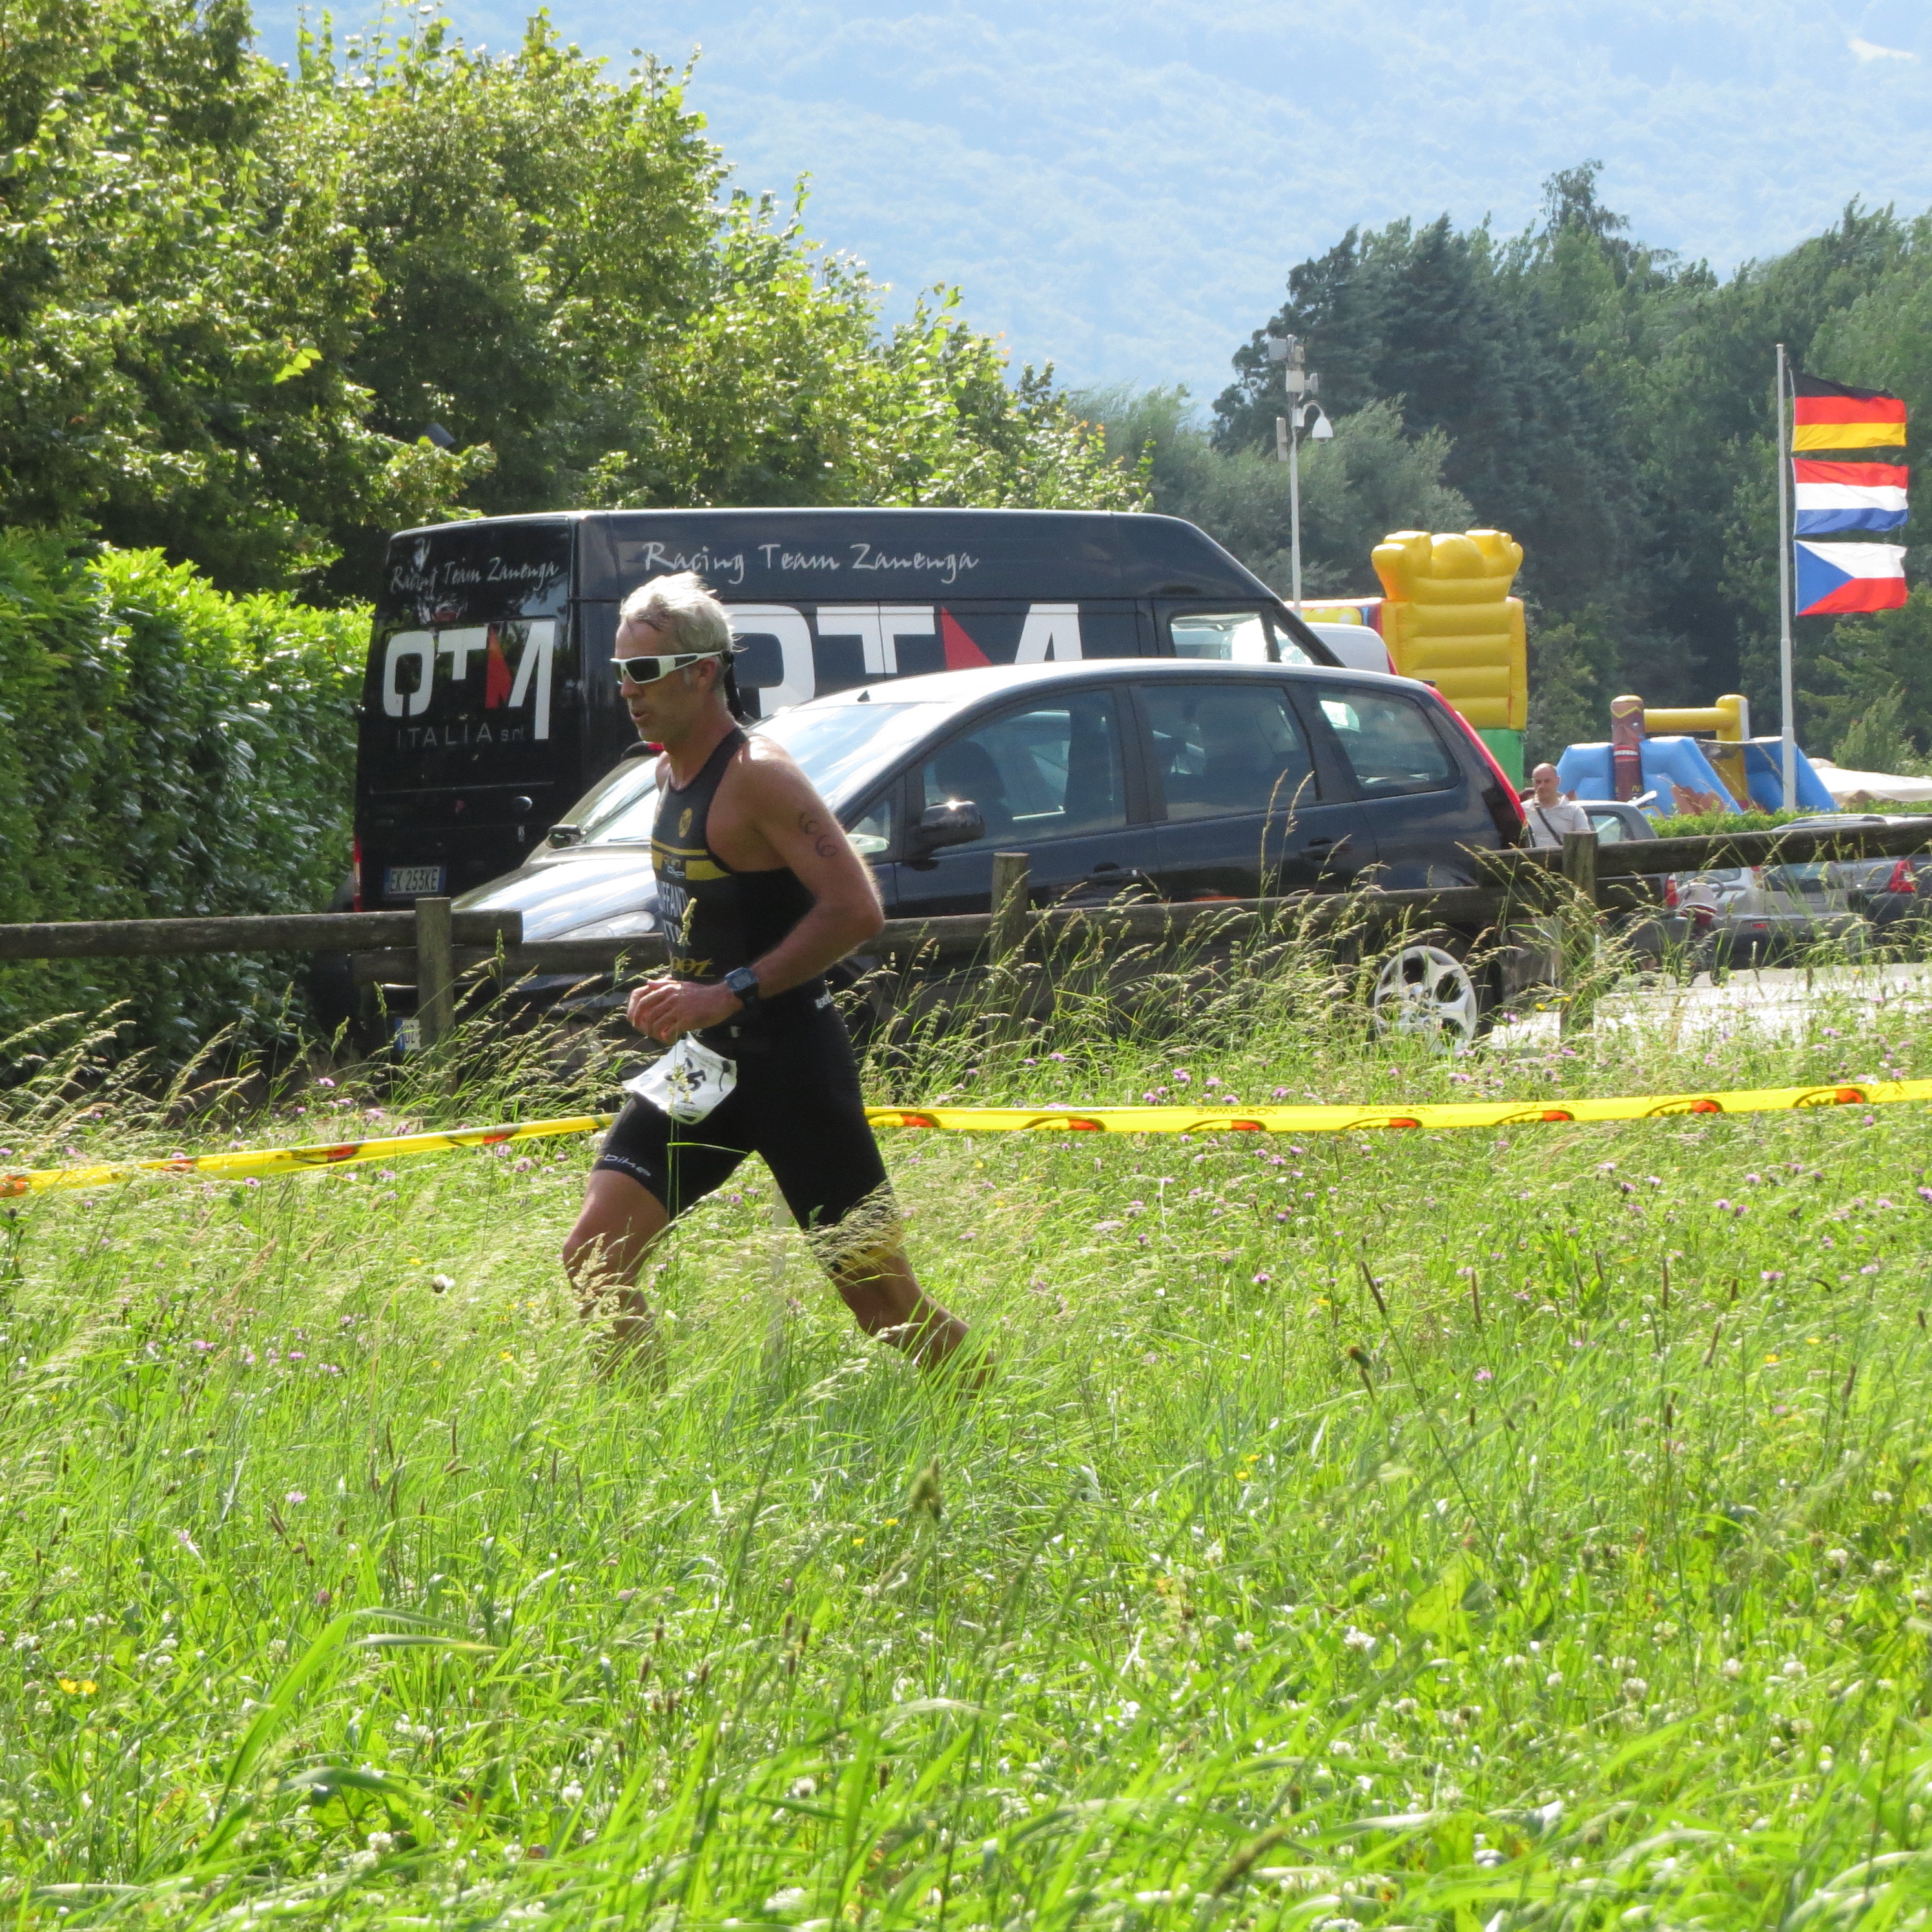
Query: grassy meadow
[(1478, 1530)]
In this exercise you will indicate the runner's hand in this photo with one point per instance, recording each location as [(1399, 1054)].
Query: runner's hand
[(666, 1008)]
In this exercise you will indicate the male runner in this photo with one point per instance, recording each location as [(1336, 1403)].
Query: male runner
[(760, 891)]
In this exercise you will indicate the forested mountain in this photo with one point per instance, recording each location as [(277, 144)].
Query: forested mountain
[(256, 318), (1610, 405)]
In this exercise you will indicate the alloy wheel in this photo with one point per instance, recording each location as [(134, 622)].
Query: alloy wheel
[(1427, 989)]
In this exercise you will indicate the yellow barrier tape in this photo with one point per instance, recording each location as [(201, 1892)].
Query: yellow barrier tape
[(1236, 1119), (240, 1164), (261, 1162)]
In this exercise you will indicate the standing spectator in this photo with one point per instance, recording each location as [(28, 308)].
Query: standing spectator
[(1549, 813)]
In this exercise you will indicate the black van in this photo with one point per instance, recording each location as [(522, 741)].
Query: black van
[(489, 708)]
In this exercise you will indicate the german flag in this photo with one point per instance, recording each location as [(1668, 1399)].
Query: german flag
[(1833, 415)]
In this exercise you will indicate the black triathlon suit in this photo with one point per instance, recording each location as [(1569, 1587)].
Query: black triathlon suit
[(797, 1100)]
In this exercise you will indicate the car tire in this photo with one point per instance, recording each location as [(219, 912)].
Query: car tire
[(1426, 986)]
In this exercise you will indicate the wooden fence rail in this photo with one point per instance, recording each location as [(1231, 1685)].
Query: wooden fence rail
[(430, 946), (957, 933), (290, 932), (1623, 857)]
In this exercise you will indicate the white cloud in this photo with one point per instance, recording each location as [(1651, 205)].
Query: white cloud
[(1870, 50)]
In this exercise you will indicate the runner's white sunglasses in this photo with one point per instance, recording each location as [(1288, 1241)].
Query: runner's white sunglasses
[(648, 670)]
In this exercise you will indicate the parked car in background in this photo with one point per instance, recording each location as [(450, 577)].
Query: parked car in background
[(1892, 895), (1762, 914), (1647, 935), (1177, 780), (1356, 646), (1613, 821)]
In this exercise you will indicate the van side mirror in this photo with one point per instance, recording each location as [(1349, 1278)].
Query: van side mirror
[(958, 822)]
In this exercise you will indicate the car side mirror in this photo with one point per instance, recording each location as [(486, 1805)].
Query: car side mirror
[(958, 822)]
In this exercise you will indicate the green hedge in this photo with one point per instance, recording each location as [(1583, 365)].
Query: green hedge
[(165, 750), (1702, 825)]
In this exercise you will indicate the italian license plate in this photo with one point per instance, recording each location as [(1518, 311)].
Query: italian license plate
[(414, 882)]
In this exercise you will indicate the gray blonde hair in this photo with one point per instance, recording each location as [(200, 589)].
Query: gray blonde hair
[(683, 607)]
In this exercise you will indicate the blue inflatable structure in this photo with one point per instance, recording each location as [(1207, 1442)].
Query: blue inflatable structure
[(1764, 776), (1680, 775)]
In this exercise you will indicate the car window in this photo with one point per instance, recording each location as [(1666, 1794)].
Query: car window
[(839, 747), (1608, 827), (1223, 748), (1388, 742), (1049, 771), (871, 832), (1287, 651), (1225, 637), (627, 791)]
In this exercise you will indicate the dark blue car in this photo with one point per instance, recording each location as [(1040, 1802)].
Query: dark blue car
[(1177, 781)]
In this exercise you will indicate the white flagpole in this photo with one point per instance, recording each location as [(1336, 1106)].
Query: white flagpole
[(1295, 499), (1790, 742)]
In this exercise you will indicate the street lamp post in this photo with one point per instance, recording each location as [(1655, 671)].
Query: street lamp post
[(1298, 382)]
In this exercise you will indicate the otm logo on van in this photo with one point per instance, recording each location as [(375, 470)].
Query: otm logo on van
[(516, 659)]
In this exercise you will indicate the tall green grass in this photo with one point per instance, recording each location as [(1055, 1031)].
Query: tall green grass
[(1476, 1530)]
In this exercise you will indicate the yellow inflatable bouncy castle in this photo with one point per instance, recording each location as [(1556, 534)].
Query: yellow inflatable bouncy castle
[(1447, 618)]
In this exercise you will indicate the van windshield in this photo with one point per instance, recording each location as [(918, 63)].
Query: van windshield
[(844, 749)]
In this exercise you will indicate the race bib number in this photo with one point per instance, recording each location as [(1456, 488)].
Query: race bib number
[(687, 1082)]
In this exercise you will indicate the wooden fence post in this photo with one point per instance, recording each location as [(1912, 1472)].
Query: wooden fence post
[(1005, 944), (436, 971), (1008, 933), (1579, 927)]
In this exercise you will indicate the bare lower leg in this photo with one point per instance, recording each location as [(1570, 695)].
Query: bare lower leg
[(886, 1299), (619, 1222)]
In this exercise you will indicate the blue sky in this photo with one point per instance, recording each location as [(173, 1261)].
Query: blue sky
[(1120, 188)]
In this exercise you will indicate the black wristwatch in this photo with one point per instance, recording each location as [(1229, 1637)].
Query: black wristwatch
[(743, 981)]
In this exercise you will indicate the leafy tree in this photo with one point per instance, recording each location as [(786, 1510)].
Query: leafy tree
[(1574, 672), (234, 304), (1370, 479), (177, 302), (1863, 661), (534, 235), (1458, 335), (1612, 407), (559, 284), (1883, 336), (782, 390), (1875, 741)]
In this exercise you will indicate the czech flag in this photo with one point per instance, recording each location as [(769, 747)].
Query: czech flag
[(1835, 577), (1849, 496), (1831, 415)]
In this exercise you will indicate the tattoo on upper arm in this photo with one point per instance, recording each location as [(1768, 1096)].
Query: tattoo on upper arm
[(823, 842)]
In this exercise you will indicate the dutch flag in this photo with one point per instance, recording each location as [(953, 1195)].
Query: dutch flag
[(1834, 577), (1833, 496)]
